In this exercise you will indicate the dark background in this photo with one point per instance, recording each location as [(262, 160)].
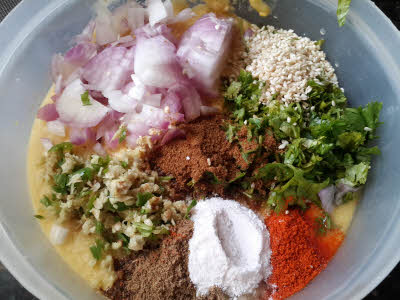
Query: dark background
[(10, 289)]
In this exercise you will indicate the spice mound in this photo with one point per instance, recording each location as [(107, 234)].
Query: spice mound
[(229, 248), (160, 273), (295, 259)]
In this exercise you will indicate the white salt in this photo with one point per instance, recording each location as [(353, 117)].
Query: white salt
[(229, 248)]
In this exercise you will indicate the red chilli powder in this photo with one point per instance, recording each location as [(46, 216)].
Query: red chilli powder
[(295, 259)]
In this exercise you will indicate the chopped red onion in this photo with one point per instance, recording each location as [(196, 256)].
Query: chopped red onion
[(98, 148), (341, 190), (105, 32), (87, 34), (74, 113), (327, 195), (203, 50), (120, 102), (136, 17), (110, 69), (80, 54), (48, 113), (81, 136), (209, 110), (158, 11), (173, 133), (190, 100), (46, 143), (155, 62), (56, 127), (182, 16)]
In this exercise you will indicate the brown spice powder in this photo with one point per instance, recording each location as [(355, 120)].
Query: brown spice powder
[(161, 273)]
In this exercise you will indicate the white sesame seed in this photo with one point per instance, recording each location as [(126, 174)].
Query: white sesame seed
[(286, 212), (187, 157), (209, 161), (312, 267), (283, 145), (245, 122), (289, 119), (367, 129), (333, 103)]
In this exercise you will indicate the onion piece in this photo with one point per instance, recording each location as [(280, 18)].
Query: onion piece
[(86, 35), (98, 148), (110, 69), (182, 16), (171, 103), (46, 143), (152, 99), (155, 62), (172, 134), (341, 190), (327, 196), (105, 32), (158, 11), (190, 100), (119, 19), (48, 113), (120, 102), (58, 234), (56, 127), (80, 54), (81, 136), (136, 17), (74, 113), (203, 50), (209, 110), (61, 67)]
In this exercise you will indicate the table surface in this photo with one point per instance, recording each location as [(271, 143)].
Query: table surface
[(10, 289)]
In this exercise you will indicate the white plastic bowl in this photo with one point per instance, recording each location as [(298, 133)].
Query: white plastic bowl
[(367, 53)]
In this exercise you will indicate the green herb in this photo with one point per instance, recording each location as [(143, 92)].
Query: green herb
[(85, 99), (102, 163), (142, 198), (86, 174), (97, 249), (324, 224), (145, 230), (165, 178), (90, 203), (192, 204), (61, 147), (124, 238), (124, 164), (99, 228), (342, 11), (210, 176), (238, 176), (40, 217), (320, 43), (122, 134), (60, 183), (45, 201)]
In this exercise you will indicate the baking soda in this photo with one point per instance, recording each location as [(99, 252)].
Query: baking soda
[(229, 248)]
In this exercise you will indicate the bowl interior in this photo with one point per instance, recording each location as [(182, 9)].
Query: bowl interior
[(365, 53)]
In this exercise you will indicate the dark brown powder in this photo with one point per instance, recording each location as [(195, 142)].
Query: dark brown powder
[(161, 273), (205, 155)]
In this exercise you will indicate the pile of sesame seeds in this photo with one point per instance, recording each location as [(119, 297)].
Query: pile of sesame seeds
[(285, 62)]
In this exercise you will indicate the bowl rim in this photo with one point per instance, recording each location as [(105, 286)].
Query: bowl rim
[(31, 278)]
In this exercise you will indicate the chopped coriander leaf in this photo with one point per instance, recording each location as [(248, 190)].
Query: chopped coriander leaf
[(85, 99), (192, 204), (166, 178), (142, 198), (238, 176), (342, 11), (145, 230), (45, 201), (39, 217), (90, 203), (324, 224), (122, 134), (124, 164), (320, 42), (61, 147), (99, 228), (60, 183), (86, 174), (97, 249), (124, 238)]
